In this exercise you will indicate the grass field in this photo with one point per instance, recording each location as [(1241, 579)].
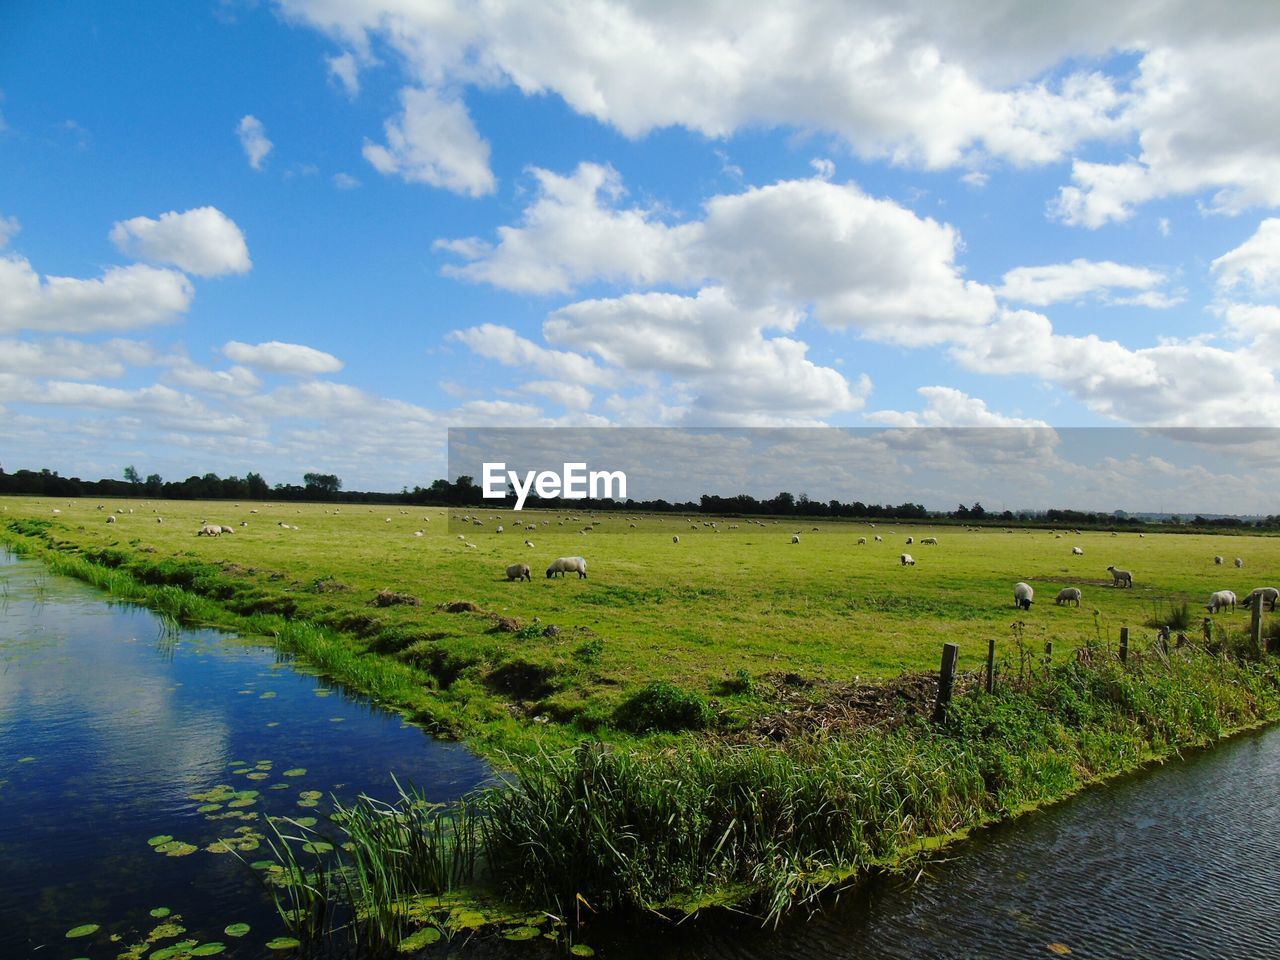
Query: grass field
[(711, 614)]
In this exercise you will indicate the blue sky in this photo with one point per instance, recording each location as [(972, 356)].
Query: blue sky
[(314, 234)]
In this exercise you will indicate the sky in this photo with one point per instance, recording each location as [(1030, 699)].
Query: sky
[(286, 236)]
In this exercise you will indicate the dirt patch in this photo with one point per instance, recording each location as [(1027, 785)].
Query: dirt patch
[(389, 598), (328, 585), (459, 606), (803, 710)]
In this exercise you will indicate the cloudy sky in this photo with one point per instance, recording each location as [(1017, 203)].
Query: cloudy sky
[(313, 234)]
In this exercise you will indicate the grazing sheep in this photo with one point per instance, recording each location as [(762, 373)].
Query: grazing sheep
[(1239, 563), (907, 560), (1120, 577), (795, 538), (1221, 600), (910, 541), (209, 530), (563, 565), (528, 543), (519, 571), (469, 545), (159, 519), (417, 533), (928, 541), (1077, 551), (879, 539), (498, 528), (1217, 561), (675, 539), (56, 510), (1068, 595), (1023, 595), (1267, 595), (862, 541), (111, 518), (226, 529)]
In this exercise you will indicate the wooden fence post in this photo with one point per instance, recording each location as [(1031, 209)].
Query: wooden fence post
[(946, 681), (991, 665), (1048, 651), (1255, 626), (1124, 644)]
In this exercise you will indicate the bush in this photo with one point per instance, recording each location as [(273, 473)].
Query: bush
[(662, 706)]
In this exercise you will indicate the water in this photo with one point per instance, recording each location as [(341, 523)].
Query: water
[(109, 721)]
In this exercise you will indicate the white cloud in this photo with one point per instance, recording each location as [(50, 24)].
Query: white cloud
[(510, 349), (203, 241), (948, 407), (9, 226), (235, 381), (280, 357), (571, 396), (344, 181), (1255, 264), (344, 68), (74, 359), (253, 139), (1054, 283), (855, 260), (159, 404), (124, 298), (433, 141), (1258, 327)]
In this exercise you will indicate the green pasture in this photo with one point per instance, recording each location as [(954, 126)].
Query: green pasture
[(739, 597)]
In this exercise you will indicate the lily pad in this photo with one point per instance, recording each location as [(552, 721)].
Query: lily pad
[(521, 933), (161, 912), (243, 802), (305, 821), (208, 949), (317, 846), (157, 841), (208, 807), (176, 848), (581, 950), (296, 772), (283, 943), (236, 929), (268, 695), (166, 930), (26, 759), (258, 775), (274, 723), (419, 939), (84, 930)]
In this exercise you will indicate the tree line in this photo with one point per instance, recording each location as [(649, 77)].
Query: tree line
[(465, 492)]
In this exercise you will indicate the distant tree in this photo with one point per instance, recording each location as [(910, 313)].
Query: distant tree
[(131, 475), (325, 484), (154, 484), (257, 487)]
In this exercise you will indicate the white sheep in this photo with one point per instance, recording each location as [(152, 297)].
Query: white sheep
[(498, 528), (862, 541), (928, 541), (469, 545), (159, 519), (1023, 595), (795, 538), (675, 539), (226, 529), (1068, 595), (519, 571), (1120, 577), (1220, 600), (1239, 563), (1077, 551), (209, 530), (907, 560), (111, 518), (910, 541), (563, 565), (417, 533), (1267, 595), (879, 539), (1217, 561), (528, 543)]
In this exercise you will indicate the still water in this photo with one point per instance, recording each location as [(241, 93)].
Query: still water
[(110, 721)]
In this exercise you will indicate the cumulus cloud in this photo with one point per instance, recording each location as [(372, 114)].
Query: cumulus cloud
[(235, 381), (1255, 264), (253, 138), (344, 68), (278, 357), (510, 349), (857, 261), (949, 407), (203, 241), (433, 141), (70, 359), (1054, 283), (9, 226), (571, 396), (123, 298), (160, 404)]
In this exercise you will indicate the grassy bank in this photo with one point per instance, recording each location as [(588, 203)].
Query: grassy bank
[(693, 723)]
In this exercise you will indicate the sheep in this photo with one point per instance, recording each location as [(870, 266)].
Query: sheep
[(209, 530), (907, 560), (1023, 595), (469, 545), (226, 529), (795, 538), (675, 539), (159, 519), (910, 541), (1267, 595), (1217, 561), (879, 539), (111, 518), (862, 541), (1120, 577), (519, 571), (1068, 595), (1220, 600), (563, 565), (1239, 563), (417, 533), (1077, 551), (528, 543), (928, 541)]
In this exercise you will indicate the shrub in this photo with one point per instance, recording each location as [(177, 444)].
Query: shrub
[(662, 706)]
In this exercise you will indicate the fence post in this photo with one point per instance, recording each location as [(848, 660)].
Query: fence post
[(946, 681), (1207, 628), (991, 665), (1124, 644), (1255, 626), (1048, 651)]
